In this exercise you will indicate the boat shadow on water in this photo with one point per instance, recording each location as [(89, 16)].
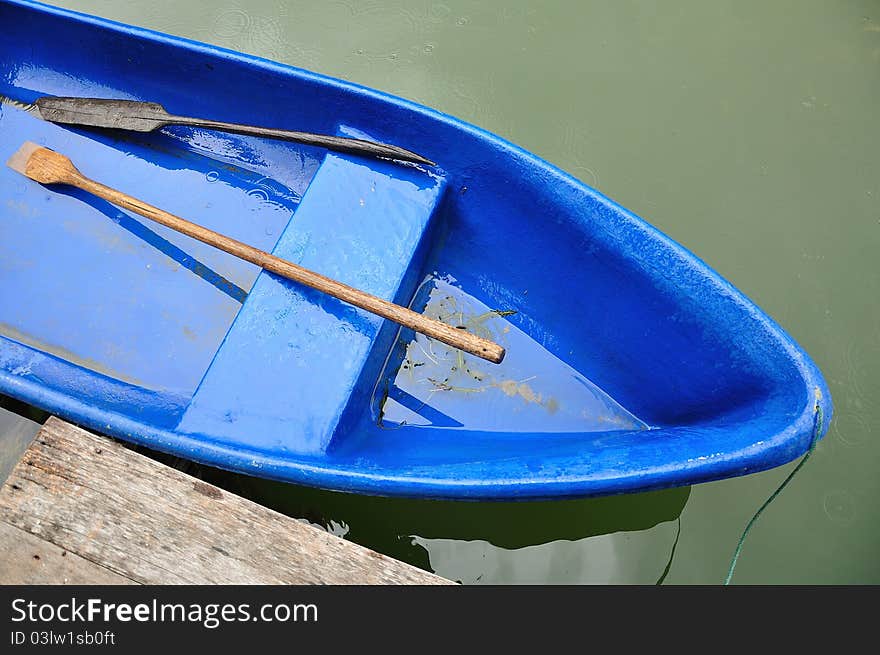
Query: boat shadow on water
[(398, 526)]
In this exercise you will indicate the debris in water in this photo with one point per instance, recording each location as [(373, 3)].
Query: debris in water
[(531, 390)]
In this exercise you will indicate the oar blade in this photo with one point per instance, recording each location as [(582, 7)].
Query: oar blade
[(20, 158), (99, 112), (42, 164)]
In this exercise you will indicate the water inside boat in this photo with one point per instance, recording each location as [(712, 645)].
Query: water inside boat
[(425, 383)]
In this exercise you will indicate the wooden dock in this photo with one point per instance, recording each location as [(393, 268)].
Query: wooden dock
[(79, 508)]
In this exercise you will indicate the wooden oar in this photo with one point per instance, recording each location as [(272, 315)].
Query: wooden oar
[(49, 167), (140, 116)]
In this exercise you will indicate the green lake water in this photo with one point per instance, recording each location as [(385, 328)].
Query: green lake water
[(747, 131)]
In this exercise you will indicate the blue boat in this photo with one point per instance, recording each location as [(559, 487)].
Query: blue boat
[(631, 365)]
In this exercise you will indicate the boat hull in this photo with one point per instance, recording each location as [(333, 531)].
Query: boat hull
[(638, 368)]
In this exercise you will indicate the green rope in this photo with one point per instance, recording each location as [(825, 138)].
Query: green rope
[(816, 432)]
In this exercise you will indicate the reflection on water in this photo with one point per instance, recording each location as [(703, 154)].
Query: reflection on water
[(642, 557), (639, 530), (428, 383)]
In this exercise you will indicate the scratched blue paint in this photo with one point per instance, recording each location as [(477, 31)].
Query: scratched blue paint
[(716, 388)]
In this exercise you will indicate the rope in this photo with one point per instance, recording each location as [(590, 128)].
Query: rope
[(817, 430), (663, 575)]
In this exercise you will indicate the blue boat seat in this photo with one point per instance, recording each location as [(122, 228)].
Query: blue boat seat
[(364, 223)]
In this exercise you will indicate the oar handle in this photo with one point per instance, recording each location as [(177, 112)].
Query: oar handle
[(457, 338), (338, 143)]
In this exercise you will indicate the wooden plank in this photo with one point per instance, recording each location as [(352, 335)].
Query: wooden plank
[(27, 559), (150, 524)]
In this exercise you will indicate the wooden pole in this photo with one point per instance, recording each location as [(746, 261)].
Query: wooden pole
[(49, 167)]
